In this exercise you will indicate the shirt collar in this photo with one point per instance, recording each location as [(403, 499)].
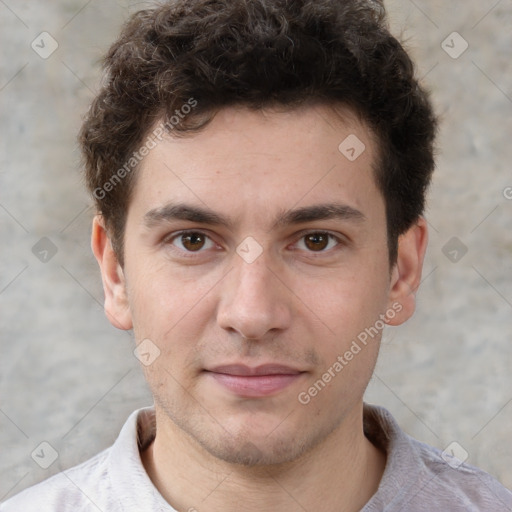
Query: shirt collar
[(131, 483), (404, 466), (136, 490)]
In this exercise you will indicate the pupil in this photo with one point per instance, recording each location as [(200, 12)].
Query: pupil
[(317, 241), (193, 241)]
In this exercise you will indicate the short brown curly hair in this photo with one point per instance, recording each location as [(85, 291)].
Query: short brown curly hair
[(210, 54)]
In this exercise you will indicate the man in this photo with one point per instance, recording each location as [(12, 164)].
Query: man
[(259, 170)]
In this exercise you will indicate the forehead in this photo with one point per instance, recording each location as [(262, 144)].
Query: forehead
[(256, 162)]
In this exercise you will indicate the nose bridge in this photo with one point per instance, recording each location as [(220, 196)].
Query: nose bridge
[(253, 281), (253, 301)]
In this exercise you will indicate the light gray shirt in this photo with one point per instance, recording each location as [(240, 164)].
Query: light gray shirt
[(417, 477)]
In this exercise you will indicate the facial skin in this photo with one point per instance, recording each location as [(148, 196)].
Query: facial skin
[(271, 176)]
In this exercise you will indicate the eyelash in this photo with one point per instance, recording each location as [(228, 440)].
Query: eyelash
[(339, 240), (191, 254)]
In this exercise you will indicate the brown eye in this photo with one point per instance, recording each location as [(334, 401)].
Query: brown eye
[(193, 241), (317, 241)]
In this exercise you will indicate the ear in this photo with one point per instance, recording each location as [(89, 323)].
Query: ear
[(114, 285), (406, 274)]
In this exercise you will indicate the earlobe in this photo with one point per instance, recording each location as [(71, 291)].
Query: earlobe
[(406, 274), (114, 285)]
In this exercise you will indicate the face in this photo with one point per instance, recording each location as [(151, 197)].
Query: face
[(255, 257)]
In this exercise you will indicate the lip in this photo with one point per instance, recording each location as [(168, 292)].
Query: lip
[(254, 382), (262, 369)]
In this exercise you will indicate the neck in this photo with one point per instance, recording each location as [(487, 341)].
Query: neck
[(340, 474)]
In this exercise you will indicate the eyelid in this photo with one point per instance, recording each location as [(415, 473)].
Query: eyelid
[(186, 231), (340, 239), (169, 238)]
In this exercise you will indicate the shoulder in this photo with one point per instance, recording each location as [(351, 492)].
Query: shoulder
[(451, 482), (75, 489), (99, 483), (419, 477)]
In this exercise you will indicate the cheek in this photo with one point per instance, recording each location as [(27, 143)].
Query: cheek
[(171, 314), (168, 306), (349, 308), (152, 302), (348, 340), (348, 301)]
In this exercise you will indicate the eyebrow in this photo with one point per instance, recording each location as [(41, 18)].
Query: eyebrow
[(201, 215), (320, 212), (191, 213)]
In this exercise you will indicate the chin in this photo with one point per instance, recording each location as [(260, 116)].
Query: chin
[(246, 453), (249, 440)]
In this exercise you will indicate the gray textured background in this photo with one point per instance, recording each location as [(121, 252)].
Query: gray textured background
[(67, 377)]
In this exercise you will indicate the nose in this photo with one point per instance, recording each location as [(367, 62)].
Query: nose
[(254, 302)]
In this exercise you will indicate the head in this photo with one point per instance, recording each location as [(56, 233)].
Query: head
[(228, 119), (180, 63)]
